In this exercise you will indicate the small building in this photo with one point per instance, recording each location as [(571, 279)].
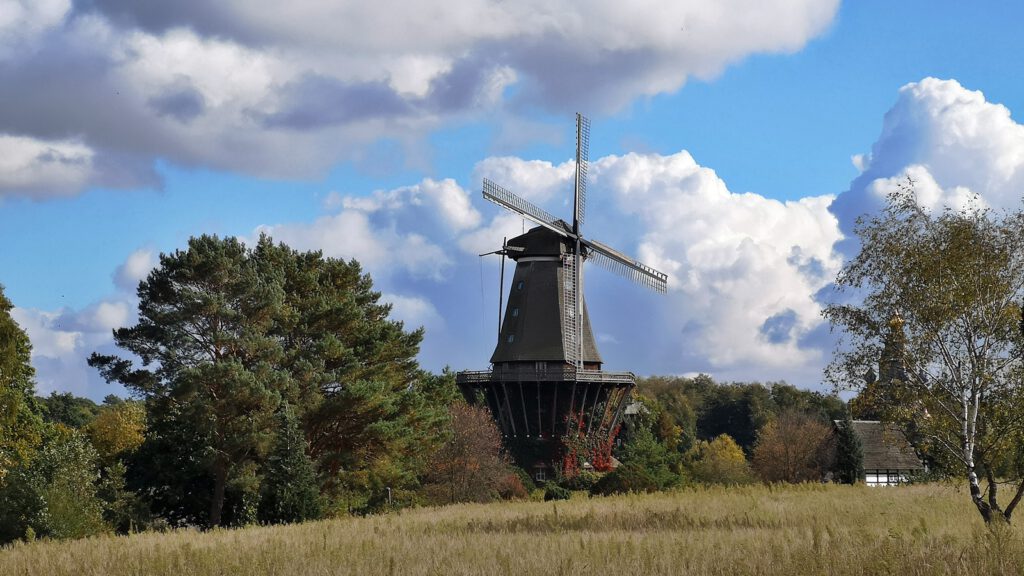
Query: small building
[(889, 459)]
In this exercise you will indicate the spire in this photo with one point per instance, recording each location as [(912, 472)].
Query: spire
[(892, 363)]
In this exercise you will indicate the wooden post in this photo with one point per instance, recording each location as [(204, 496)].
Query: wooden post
[(508, 408), (526, 417)]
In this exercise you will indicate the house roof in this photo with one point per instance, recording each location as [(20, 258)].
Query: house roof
[(885, 446)]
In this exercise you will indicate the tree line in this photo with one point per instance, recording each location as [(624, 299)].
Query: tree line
[(685, 431), (267, 384), (271, 385)]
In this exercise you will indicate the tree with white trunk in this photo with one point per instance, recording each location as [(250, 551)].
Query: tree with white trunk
[(933, 300)]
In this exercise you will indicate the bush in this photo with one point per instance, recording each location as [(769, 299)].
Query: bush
[(629, 477), (720, 461), (470, 466), (585, 480), (556, 492), (54, 495), (511, 488), (524, 478), (849, 461)]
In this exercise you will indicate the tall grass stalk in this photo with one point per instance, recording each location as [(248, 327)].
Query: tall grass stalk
[(807, 529)]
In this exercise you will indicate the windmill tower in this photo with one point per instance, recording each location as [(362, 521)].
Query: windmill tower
[(546, 377)]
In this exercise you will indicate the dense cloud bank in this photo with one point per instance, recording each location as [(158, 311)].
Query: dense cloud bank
[(95, 90)]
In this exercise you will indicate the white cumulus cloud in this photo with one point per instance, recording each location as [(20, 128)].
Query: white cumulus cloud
[(289, 90), (953, 143), (134, 269), (44, 167)]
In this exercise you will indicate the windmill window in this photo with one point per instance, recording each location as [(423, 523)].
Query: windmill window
[(511, 338), (515, 312), (519, 285)]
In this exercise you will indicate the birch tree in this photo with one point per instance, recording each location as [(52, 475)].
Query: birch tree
[(933, 302)]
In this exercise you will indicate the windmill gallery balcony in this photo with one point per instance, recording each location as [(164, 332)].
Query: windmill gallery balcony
[(536, 400)]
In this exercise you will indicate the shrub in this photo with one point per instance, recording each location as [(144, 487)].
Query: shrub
[(720, 461), (849, 460), (630, 477), (55, 493), (584, 480), (511, 488), (556, 492)]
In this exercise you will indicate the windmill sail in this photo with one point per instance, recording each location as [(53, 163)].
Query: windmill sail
[(510, 201), (582, 163), (570, 304), (623, 265)]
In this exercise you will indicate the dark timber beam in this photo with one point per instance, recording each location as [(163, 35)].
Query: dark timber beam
[(508, 407), (526, 417)]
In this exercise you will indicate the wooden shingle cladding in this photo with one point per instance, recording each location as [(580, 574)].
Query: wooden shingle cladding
[(888, 458), (531, 330)]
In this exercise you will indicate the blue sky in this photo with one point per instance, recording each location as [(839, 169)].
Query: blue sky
[(722, 144)]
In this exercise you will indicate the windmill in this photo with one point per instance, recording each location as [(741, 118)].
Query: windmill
[(546, 370)]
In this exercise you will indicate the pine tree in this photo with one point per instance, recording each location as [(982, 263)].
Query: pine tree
[(289, 492), (849, 465)]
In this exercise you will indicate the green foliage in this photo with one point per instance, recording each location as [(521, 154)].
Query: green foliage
[(123, 510), (118, 429), (647, 466), (20, 424), (556, 492), (720, 461), (683, 410), (627, 478), (226, 334), (849, 463), (524, 479), (937, 310), (69, 410), (585, 480), (290, 491), (55, 494)]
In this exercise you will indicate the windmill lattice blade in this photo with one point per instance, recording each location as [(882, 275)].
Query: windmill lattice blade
[(570, 285), (510, 201), (582, 164), (625, 266)]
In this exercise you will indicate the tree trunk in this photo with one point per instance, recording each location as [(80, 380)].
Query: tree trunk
[(1008, 512), (979, 501), (220, 480)]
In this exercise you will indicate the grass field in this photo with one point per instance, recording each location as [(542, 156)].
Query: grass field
[(812, 529)]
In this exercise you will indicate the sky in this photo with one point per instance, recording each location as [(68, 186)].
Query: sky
[(733, 145)]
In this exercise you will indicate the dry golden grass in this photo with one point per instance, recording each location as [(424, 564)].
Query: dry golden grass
[(811, 529)]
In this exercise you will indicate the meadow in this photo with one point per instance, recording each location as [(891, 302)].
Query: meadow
[(804, 529)]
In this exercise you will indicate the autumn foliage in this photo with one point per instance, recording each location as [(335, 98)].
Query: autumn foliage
[(793, 447), (471, 466)]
